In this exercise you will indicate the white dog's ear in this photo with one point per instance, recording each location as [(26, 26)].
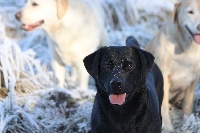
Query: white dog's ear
[(61, 8), (175, 13)]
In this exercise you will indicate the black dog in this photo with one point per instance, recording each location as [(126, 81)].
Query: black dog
[(129, 90)]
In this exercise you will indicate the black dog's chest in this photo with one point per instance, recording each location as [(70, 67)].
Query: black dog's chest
[(123, 125), (124, 129), (125, 119)]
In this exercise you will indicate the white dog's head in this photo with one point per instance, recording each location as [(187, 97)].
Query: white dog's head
[(187, 16), (38, 13)]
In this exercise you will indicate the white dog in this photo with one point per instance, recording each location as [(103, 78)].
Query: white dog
[(75, 29), (177, 52)]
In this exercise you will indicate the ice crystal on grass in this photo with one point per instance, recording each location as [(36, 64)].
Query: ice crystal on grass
[(22, 74)]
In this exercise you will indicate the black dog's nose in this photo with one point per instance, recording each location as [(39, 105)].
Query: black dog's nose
[(116, 83), (18, 15)]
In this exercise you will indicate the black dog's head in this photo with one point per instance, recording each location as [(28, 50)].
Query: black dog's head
[(119, 70)]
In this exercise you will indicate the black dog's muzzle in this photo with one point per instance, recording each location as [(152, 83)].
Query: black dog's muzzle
[(116, 86)]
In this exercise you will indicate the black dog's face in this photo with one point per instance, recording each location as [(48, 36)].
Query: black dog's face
[(119, 70)]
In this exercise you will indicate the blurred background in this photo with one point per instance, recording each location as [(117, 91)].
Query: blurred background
[(30, 102)]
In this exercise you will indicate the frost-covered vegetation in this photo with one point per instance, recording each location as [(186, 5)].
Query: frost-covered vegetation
[(31, 103)]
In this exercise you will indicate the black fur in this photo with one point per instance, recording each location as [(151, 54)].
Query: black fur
[(130, 70), (131, 41)]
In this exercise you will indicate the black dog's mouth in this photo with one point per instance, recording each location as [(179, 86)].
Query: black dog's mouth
[(196, 37), (29, 27), (118, 99)]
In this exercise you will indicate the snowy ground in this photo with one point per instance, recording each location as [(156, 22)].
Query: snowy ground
[(35, 104)]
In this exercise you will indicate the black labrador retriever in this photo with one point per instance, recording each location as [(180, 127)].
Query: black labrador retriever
[(129, 90)]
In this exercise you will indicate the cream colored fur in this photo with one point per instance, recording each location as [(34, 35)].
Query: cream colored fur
[(178, 56), (75, 28)]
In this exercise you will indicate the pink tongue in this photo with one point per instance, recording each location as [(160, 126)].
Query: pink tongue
[(117, 99), (197, 38), (30, 27), (27, 28)]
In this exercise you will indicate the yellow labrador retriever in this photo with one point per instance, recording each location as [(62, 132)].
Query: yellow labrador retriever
[(75, 29), (176, 48)]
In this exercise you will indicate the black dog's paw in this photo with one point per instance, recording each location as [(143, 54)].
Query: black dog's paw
[(131, 41)]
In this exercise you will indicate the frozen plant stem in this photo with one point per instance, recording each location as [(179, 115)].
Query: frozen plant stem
[(11, 95)]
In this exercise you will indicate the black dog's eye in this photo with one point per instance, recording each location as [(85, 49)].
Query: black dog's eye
[(191, 12), (108, 65), (34, 4), (128, 66)]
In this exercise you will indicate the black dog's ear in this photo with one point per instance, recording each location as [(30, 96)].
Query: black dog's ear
[(131, 41), (92, 61), (147, 60)]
